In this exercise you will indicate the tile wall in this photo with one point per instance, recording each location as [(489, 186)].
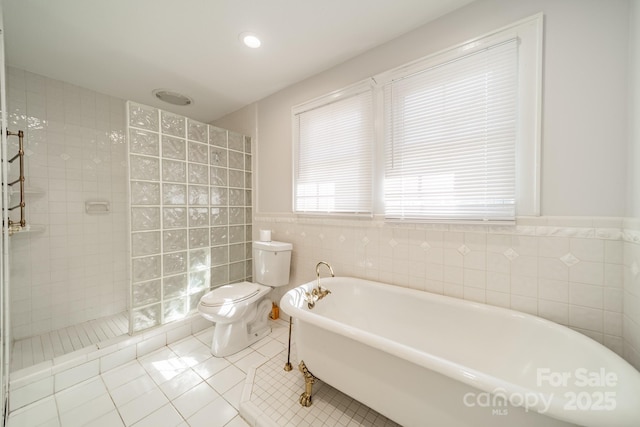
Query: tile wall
[(71, 267), (631, 319), (190, 212), (568, 270)]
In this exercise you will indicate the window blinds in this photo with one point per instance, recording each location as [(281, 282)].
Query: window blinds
[(450, 138), (334, 158)]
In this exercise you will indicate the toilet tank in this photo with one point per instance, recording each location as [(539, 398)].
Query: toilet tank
[(271, 261)]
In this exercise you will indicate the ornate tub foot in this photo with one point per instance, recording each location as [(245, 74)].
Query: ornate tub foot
[(309, 379)]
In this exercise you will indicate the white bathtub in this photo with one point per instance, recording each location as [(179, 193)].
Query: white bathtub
[(425, 359)]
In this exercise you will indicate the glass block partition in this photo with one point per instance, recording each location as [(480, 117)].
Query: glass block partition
[(190, 195)]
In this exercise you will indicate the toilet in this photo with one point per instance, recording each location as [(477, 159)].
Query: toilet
[(240, 311)]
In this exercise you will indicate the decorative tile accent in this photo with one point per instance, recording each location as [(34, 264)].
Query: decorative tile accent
[(463, 249), (511, 254), (634, 269), (425, 246), (393, 243), (569, 260)]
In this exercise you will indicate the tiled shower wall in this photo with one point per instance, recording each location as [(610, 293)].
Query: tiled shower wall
[(190, 212), (71, 267), (568, 270)]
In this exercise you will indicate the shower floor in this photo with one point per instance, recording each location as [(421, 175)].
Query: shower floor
[(33, 350)]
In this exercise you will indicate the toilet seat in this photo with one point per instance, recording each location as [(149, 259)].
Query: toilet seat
[(230, 294)]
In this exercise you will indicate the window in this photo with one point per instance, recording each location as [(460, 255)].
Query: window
[(334, 153), (451, 138), (457, 136)]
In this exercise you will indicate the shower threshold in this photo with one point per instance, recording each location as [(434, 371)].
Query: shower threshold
[(33, 350)]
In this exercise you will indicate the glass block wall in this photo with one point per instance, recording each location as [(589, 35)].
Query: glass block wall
[(190, 195)]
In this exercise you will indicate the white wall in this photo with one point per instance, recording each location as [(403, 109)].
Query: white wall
[(585, 101), (631, 320)]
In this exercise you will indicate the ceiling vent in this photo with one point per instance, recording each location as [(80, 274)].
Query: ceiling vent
[(171, 97)]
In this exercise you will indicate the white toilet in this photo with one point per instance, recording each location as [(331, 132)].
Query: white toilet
[(240, 310)]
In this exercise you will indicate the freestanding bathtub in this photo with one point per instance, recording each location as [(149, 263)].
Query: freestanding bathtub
[(422, 359)]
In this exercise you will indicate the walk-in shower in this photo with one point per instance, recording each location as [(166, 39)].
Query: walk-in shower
[(131, 214)]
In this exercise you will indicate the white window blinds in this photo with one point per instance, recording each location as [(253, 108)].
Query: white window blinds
[(334, 156), (450, 139)]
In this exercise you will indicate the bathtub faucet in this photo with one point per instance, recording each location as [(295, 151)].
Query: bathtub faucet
[(318, 292)]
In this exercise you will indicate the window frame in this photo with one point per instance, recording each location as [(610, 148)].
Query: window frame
[(529, 33), (325, 100)]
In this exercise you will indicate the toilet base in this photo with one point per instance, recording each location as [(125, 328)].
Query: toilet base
[(230, 338)]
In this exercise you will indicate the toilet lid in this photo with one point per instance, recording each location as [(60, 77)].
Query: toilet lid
[(229, 294)]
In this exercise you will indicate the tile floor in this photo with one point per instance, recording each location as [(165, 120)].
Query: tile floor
[(33, 350), (183, 385)]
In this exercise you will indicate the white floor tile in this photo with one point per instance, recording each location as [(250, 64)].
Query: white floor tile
[(132, 390), (234, 394), (125, 373), (186, 346), (237, 422), (35, 414), (210, 367), (195, 399), (271, 349), (89, 411), (226, 379), (110, 419), (215, 414), (78, 395), (142, 406), (180, 384), (166, 416), (251, 360)]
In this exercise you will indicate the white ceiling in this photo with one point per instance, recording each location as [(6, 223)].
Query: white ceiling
[(127, 48)]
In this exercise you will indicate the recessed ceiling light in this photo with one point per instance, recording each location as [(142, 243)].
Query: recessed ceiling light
[(250, 40), (172, 97)]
